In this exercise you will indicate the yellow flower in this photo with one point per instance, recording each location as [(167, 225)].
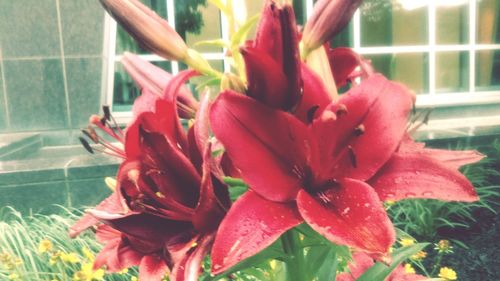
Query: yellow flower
[(134, 278), (87, 273), (88, 254), (405, 242), (70, 258), (54, 257), (447, 273), (443, 246), (123, 271), (419, 256), (409, 269), (13, 276), (44, 246)]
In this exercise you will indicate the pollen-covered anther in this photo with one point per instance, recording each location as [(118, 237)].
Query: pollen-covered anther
[(94, 119), (359, 130)]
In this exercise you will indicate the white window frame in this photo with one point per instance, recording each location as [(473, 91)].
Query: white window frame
[(430, 99)]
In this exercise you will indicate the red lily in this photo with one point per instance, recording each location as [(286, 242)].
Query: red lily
[(362, 262), (169, 199), (152, 81), (321, 172), (272, 60)]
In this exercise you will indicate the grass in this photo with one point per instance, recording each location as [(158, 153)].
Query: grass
[(66, 259)]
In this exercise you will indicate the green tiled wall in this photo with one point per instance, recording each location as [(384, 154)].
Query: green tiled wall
[(51, 62)]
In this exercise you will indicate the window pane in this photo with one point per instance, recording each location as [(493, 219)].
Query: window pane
[(198, 25), (124, 42), (125, 91), (488, 25), (452, 24), (408, 68), (452, 72), (488, 70), (384, 24)]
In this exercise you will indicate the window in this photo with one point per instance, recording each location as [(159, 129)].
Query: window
[(448, 54)]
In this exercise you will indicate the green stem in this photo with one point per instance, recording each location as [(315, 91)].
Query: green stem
[(437, 264), (295, 263)]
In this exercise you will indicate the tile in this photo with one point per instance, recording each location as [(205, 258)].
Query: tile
[(29, 28), (19, 172), (16, 144), (93, 166), (84, 87), (82, 27), (35, 90), (3, 109), (35, 198), (84, 193)]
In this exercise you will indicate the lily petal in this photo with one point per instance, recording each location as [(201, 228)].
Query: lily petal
[(370, 117), (152, 267), (189, 268), (315, 97), (412, 175), (349, 214), (276, 140), (266, 81), (252, 224)]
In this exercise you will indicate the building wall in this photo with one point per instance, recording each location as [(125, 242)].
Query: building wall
[(50, 63)]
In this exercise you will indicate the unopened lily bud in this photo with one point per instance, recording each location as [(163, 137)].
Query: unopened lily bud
[(230, 81), (149, 29), (328, 19)]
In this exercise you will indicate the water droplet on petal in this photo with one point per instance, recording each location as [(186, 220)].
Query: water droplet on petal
[(410, 195), (367, 205), (427, 193), (345, 211)]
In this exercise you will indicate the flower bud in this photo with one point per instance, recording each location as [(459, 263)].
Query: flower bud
[(150, 30), (230, 81), (328, 19)]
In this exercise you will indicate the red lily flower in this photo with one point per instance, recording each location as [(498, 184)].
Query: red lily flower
[(272, 60), (321, 172), (152, 81), (169, 199), (362, 262)]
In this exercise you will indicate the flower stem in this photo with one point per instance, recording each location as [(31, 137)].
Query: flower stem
[(295, 262)]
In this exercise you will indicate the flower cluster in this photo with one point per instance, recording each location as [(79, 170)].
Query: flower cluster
[(307, 154)]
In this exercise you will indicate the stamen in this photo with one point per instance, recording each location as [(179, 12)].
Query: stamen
[(86, 145), (298, 172), (323, 197), (352, 156), (107, 112), (311, 112), (359, 130), (342, 110)]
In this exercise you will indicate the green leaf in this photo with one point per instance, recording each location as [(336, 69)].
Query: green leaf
[(214, 43), (234, 181), (236, 191), (380, 271), (240, 36), (220, 5), (272, 252), (208, 82)]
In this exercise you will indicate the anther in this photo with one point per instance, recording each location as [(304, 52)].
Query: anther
[(86, 145), (359, 130), (107, 112), (311, 112), (352, 157), (342, 110)]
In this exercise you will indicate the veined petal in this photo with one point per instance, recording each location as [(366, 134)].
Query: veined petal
[(349, 214), (267, 82), (209, 210), (189, 267), (410, 175), (252, 224), (111, 204), (152, 267), (451, 158), (270, 147), (315, 97), (371, 121)]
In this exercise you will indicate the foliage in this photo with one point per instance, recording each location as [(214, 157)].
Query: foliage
[(39, 248)]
